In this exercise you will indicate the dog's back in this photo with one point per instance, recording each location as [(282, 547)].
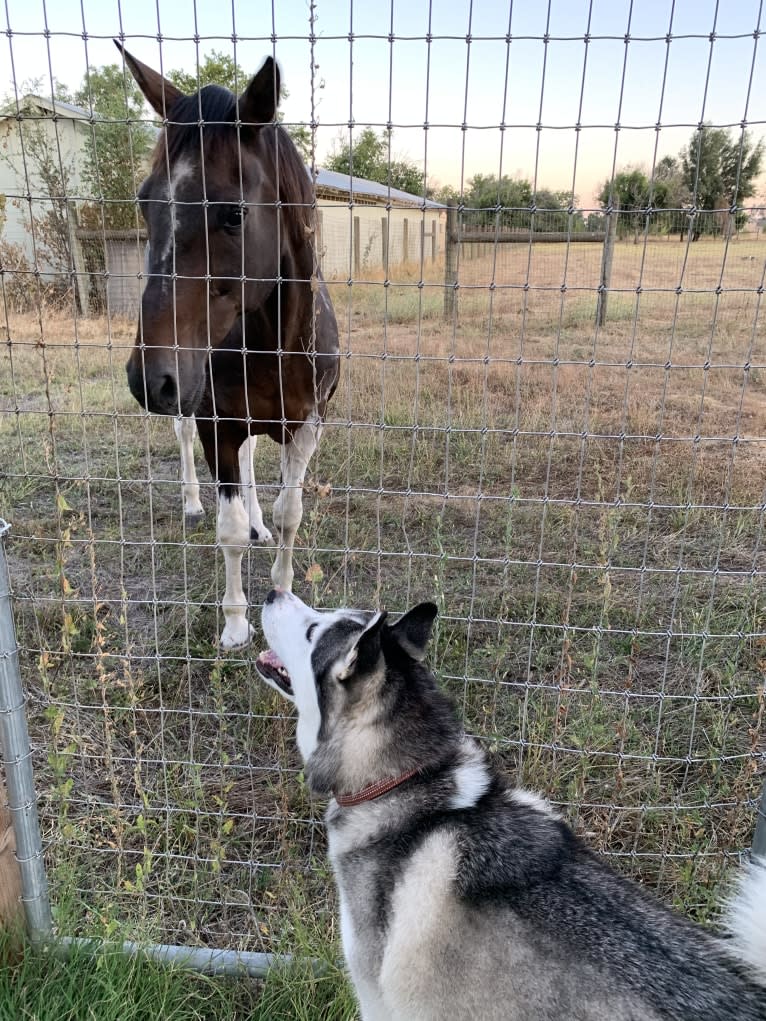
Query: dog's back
[(495, 910)]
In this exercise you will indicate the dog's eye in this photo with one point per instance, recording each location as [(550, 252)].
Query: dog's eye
[(311, 629), (233, 217)]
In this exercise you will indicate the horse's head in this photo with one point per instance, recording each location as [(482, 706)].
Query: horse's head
[(215, 234)]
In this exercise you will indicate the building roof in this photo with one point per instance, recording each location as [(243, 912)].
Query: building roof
[(381, 193), (54, 106)]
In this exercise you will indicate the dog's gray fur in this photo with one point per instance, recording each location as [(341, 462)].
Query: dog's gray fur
[(462, 897)]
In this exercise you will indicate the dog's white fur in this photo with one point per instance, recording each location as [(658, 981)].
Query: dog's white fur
[(293, 619), (472, 779), (743, 916)]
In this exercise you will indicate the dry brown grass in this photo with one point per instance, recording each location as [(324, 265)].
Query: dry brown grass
[(586, 506), (666, 364)]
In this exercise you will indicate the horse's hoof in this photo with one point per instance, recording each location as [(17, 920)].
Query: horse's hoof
[(236, 636), (195, 519), (261, 536)]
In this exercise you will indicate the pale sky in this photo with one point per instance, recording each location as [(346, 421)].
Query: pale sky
[(481, 83)]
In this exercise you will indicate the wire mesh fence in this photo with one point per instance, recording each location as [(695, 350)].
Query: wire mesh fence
[(586, 504)]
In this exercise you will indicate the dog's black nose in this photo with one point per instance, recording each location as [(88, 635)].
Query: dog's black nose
[(273, 595)]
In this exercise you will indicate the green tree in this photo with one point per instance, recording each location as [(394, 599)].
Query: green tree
[(117, 147), (217, 68), (369, 157), (631, 189), (39, 86), (508, 198), (669, 192), (301, 136), (446, 194), (487, 191), (670, 184), (553, 211), (644, 199), (720, 171), (362, 157), (405, 176), (512, 203), (55, 173), (46, 216), (507, 201), (49, 179)]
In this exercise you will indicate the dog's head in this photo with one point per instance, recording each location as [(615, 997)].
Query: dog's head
[(355, 679)]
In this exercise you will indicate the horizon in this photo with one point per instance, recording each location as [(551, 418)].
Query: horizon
[(519, 91)]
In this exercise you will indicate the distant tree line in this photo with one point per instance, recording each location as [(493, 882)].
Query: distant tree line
[(513, 203), (699, 191)]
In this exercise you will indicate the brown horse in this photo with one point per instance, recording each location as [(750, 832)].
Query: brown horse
[(237, 328)]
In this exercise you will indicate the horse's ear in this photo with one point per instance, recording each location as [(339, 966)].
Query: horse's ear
[(161, 93), (258, 103)]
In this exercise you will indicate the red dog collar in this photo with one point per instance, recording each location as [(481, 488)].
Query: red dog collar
[(374, 790)]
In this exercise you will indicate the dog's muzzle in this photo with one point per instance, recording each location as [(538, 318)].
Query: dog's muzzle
[(272, 669)]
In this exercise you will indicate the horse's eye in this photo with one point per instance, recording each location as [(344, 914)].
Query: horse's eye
[(310, 631), (234, 217)]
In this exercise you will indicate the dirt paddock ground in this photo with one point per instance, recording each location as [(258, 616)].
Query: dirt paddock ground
[(586, 506)]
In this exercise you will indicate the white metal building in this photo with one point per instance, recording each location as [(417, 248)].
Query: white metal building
[(63, 129)]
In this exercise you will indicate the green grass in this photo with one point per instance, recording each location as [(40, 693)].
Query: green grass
[(108, 986), (97, 981)]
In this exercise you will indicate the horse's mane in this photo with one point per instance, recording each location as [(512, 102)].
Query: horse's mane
[(216, 108)]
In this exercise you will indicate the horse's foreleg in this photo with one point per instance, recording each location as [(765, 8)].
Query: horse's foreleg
[(258, 531), (288, 507), (186, 430), (221, 443), (233, 537)]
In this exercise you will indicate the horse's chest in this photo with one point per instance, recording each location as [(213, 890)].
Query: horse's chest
[(277, 386)]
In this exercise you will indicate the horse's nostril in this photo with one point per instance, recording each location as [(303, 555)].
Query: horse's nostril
[(167, 391)]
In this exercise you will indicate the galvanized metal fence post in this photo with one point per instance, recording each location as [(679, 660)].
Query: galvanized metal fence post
[(17, 760), (759, 837)]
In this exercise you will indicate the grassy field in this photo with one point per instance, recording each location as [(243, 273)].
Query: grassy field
[(586, 506)]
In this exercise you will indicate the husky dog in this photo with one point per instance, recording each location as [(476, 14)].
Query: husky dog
[(461, 897)]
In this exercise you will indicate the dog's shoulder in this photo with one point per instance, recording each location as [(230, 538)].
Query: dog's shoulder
[(510, 840)]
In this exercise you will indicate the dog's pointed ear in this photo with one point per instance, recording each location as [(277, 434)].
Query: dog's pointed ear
[(258, 103), (413, 630), (365, 652), (160, 93)]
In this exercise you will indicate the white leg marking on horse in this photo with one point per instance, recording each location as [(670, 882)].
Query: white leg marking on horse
[(186, 431), (288, 506), (234, 536), (259, 533)]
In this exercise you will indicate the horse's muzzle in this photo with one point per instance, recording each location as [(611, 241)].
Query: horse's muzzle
[(158, 390)]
